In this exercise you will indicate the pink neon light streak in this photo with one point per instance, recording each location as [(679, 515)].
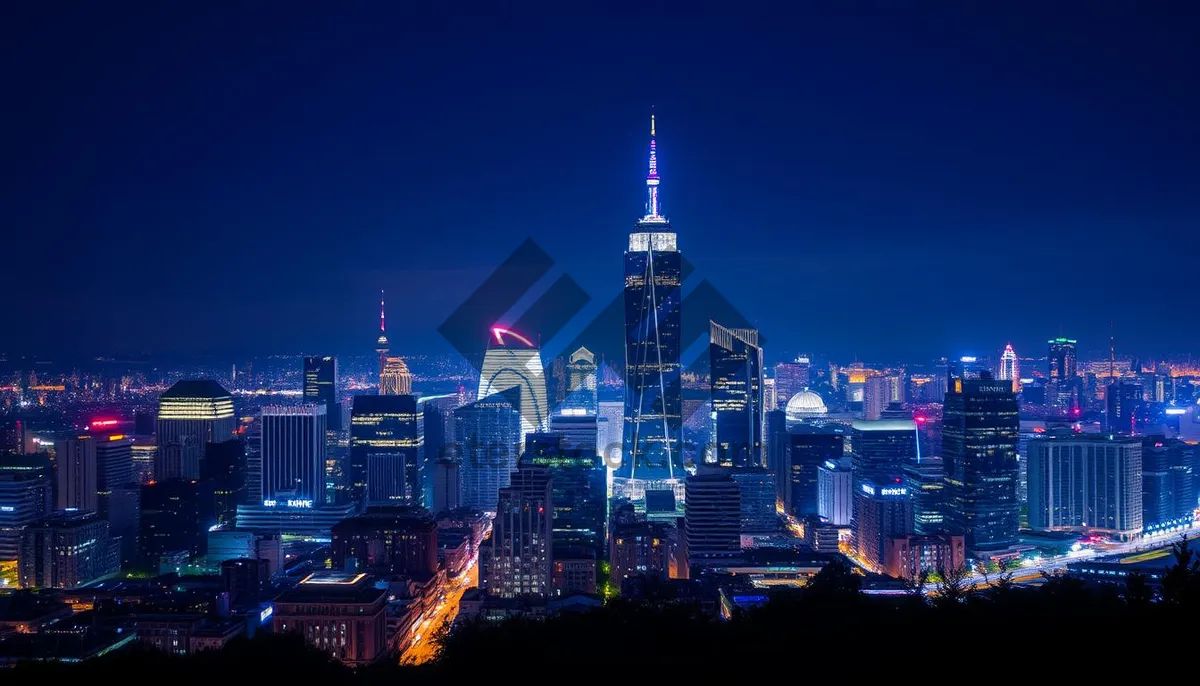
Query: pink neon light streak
[(500, 333)]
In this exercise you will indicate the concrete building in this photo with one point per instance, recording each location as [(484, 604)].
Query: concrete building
[(343, 615)]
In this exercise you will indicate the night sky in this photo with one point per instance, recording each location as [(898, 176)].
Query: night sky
[(192, 177)]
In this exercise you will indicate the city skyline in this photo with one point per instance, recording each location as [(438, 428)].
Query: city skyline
[(878, 182)]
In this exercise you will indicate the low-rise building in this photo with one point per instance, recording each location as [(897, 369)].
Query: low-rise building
[(342, 614)]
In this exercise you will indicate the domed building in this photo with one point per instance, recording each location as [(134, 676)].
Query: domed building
[(805, 406)]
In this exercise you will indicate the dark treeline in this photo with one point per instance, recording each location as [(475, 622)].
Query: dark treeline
[(1061, 627)]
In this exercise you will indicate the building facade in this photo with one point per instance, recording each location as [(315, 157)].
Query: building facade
[(1086, 482), (736, 372)]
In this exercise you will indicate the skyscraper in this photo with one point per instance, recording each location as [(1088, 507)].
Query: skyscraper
[(712, 518), (581, 381), (520, 553), (320, 387), (76, 461), (736, 362), (980, 431), (578, 490), (1123, 406), (653, 394), (1010, 368), (25, 497), (387, 449), (791, 378), (66, 550), (190, 414), (514, 361), (1061, 359), (293, 453), (488, 433), (1091, 482)]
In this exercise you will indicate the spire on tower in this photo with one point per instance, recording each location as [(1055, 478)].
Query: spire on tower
[(381, 343), (652, 212)]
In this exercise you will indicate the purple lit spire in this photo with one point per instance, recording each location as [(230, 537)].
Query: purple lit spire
[(652, 177)]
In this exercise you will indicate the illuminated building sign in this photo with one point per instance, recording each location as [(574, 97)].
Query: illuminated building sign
[(1176, 410), (7, 508), (868, 489), (893, 491), (104, 423), (292, 503), (968, 358), (266, 614)]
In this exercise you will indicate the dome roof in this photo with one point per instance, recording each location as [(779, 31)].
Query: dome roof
[(805, 404)]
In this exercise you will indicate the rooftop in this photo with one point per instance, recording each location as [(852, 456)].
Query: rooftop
[(196, 388)]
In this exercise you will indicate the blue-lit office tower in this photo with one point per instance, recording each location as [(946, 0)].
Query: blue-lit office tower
[(578, 429), (778, 445), (926, 483), (653, 395), (1064, 381), (25, 497), (488, 435), (809, 449), (579, 490), (980, 432), (387, 450), (1123, 407), (293, 453), (736, 363), (1168, 482), (879, 452), (320, 388)]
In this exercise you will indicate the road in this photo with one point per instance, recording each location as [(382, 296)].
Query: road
[(423, 646), (1033, 571)]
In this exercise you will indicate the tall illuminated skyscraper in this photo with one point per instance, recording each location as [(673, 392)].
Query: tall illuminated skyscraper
[(653, 394), (190, 414), (1061, 359), (1010, 369), (581, 381), (293, 453), (514, 361), (320, 386), (736, 361)]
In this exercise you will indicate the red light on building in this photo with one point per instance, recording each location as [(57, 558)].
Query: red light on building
[(920, 420), (104, 423)]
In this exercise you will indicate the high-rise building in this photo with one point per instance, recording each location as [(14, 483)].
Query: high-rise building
[(514, 361), (114, 470), (882, 509), (879, 392), (25, 497), (736, 362), (1061, 362), (225, 469), (1010, 368), (926, 482), (610, 430), (653, 393), (76, 462), (447, 485), (811, 447), (175, 517), (835, 492), (1168, 482), (880, 449), (581, 381), (1086, 481), (640, 547), (778, 450), (907, 557), (190, 414), (394, 376), (320, 388), (387, 449), (791, 378), (1124, 406), (578, 429), (293, 453), (66, 550), (579, 491), (488, 433), (712, 518), (756, 491), (980, 431), (520, 555)]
